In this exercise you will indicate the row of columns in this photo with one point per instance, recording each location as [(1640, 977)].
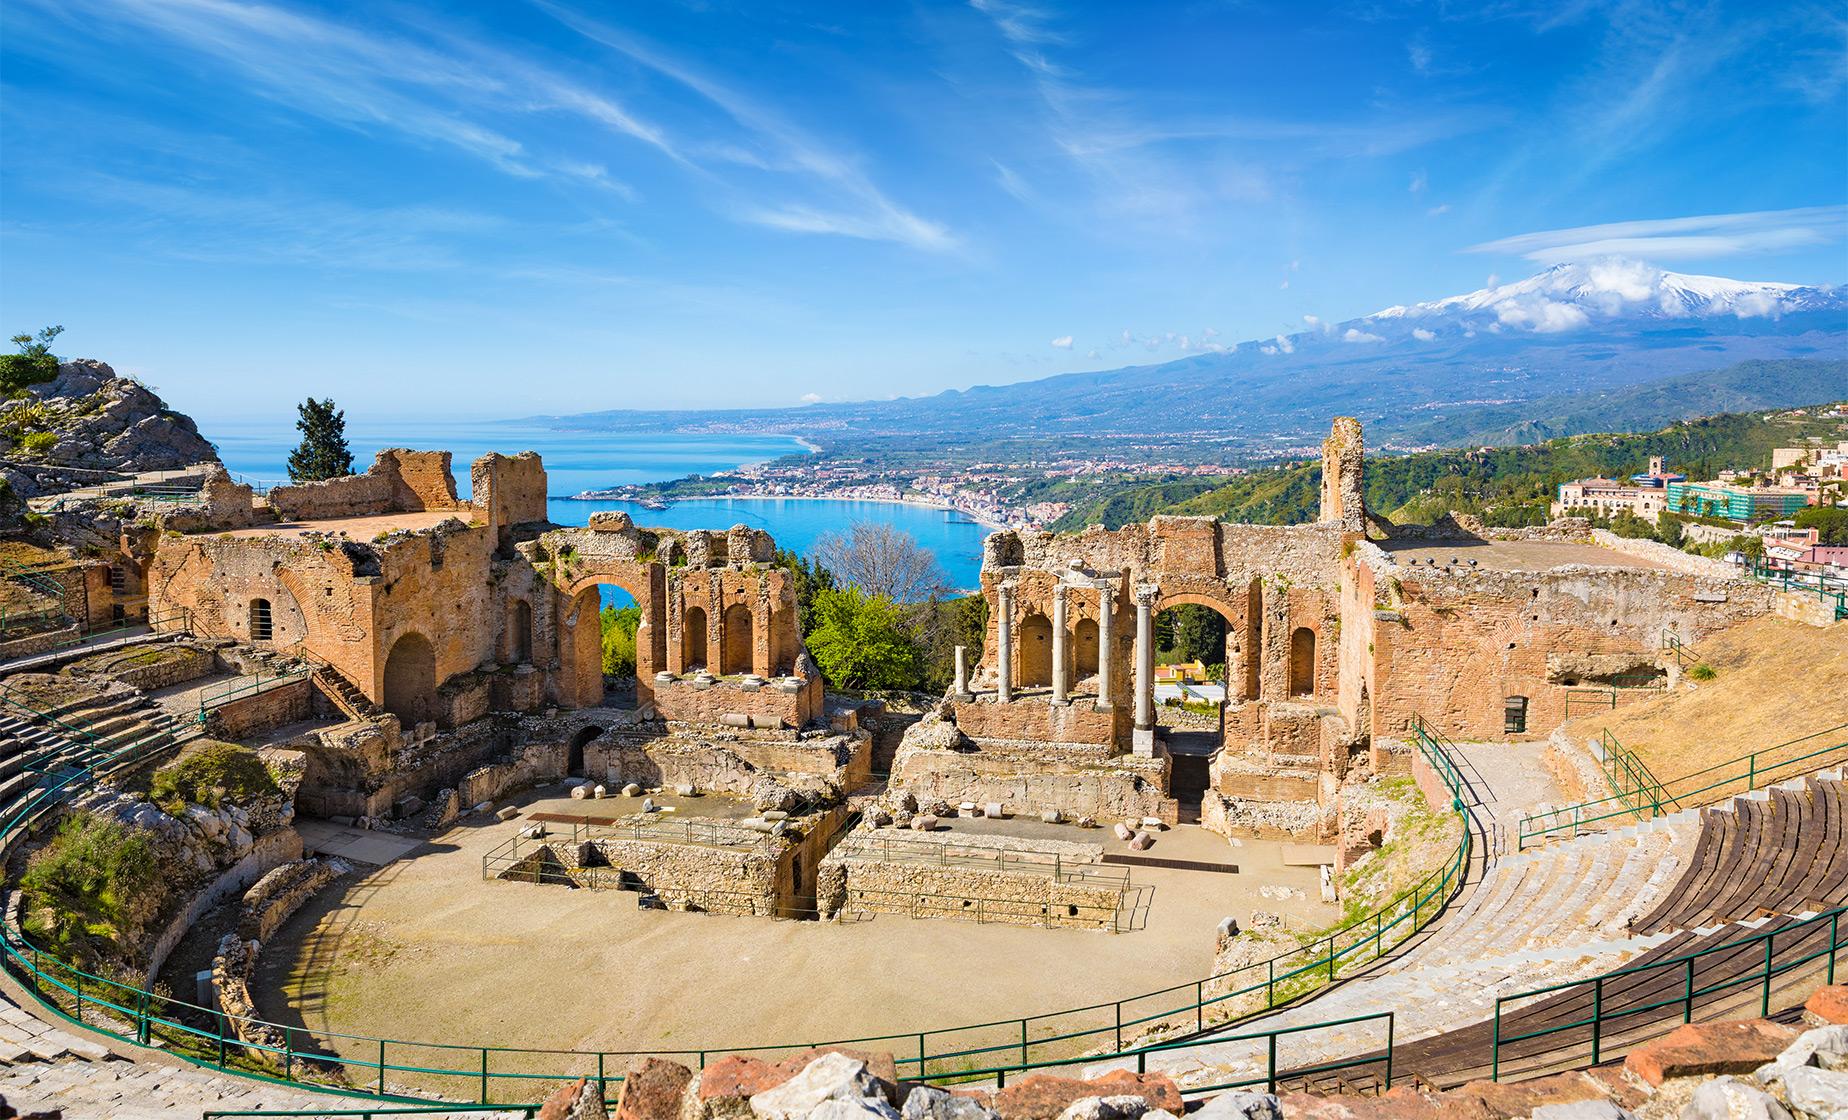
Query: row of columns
[(1106, 638)]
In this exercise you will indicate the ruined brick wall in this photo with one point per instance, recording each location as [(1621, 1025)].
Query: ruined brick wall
[(1032, 718), (1462, 642), (399, 480), (1341, 477), (1032, 777), (508, 491), (262, 711), (974, 894)]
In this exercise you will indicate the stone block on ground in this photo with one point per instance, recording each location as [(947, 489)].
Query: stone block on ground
[(508, 813), (829, 1077), (1830, 1004), (1046, 1097), (1106, 1108), (577, 1101), (1240, 1104), (1705, 1049), (1728, 1098), (653, 1090), (924, 822), (1142, 841), (927, 1102)]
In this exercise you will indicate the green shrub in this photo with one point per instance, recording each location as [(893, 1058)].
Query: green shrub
[(90, 892), (38, 442), (619, 625), (1702, 672), (212, 774)]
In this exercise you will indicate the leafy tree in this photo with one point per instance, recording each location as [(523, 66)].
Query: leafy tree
[(35, 364), (1830, 523), (864, 641), (323, 452), (619, 626), (1669, 530)]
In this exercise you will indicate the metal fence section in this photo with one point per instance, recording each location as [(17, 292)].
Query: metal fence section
[(1095, 1033), (1590, 1012), (1639, 796)]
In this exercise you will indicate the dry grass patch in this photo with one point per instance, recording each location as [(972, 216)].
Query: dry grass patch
[(1773, 681)]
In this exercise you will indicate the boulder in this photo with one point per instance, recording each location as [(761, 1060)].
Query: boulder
[(877, 817), (1240, 1104), (576, 1101), (926, 1102), (1728, 1098), (652, 1090), (1087, 821), (1105, 1108), (924, 822), (1052, 816), (1046, 1097), (1830, 1003), (1705, 1049), (686, 789), (631, 790), (832, 1077), (1812, 1092)]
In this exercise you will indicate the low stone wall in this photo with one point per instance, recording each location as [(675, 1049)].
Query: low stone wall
[(733, 762), (856, 878), (1671, 558), (270, 851), (266, 907), (149, 666), (1806, 607), (683, 699), (1035, 718), (1259, 817), (1030, 778), (279, 894), (262, 711)]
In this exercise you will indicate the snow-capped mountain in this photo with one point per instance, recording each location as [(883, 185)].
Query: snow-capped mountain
[(1575, 295)]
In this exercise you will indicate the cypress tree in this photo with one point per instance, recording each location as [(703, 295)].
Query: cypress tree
[(323, 451)]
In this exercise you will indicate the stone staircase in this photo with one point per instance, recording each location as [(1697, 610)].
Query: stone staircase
[(344, 694)]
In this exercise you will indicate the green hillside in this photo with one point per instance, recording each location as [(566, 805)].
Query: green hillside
[(1506, 485)]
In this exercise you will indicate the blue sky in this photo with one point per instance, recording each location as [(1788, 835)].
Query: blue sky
[(548, 206)]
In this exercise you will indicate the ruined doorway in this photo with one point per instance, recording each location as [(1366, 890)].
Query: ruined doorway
[(1084, 649), (410, 679), (693, 639), (735, 641), (1035, 664), (1192, 652), (1514, 715), (574, 751), (519, 645), (1302, 662)]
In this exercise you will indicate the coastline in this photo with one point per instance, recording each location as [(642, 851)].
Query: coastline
[(983, 521)]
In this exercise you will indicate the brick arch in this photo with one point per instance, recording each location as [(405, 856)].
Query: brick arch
[(579, 634), (1236, 612)]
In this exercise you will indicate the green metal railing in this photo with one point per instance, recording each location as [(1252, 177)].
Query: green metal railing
[(1684, 995), (1631, 780), (526, 1110), (209, 1037), (176, 621), (1644, 798), (34, 582), (224, 693), (1685, 657)]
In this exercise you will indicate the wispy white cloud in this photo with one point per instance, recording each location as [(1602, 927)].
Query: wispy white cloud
[(1063, 342), (1354, 334), (1711, 235), (1423, 335)]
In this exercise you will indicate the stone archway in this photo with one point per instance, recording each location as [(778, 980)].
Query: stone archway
[(519, 643), (410, 679), (574, 750)]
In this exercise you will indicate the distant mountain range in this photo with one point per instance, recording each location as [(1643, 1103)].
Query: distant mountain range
[(1507, 363)]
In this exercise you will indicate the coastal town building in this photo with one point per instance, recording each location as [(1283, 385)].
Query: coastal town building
[(1735, 502), (1606, 497)]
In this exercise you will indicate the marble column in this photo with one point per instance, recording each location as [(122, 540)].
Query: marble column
[(1106, 642), (1060, 688), (961, 690), (1143, 738), (1004, 653)]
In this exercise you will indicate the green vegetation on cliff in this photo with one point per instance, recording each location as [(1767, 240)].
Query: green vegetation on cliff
[(91, 893)]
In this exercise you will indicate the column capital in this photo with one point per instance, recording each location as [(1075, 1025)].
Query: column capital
[(1146, 594), (1058, 592)]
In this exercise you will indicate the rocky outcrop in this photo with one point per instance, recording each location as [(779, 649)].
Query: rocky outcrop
[(96, 420)]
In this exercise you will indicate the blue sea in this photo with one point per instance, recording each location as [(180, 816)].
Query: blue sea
[(579, 461)]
